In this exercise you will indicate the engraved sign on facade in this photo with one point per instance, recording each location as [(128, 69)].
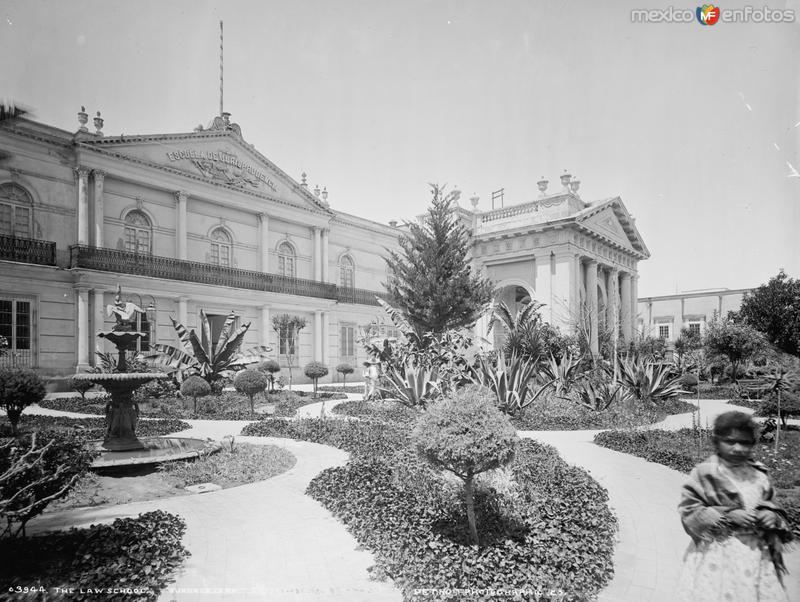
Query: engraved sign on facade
[(225, 167)]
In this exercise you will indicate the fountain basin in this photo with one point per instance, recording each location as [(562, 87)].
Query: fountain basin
[(154, 450)]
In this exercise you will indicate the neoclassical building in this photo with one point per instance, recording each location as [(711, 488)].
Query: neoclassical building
[(182, 222), (201, 220), (578, 258)]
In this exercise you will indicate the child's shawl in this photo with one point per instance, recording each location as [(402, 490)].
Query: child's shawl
[(709, 495)]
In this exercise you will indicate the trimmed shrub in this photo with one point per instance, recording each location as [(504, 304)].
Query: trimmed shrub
[(35, 470), (19, 388), (135, 555), (344, 369), (156, 389), (93, 428), (689, 381), (81, 386), (315, 371), (195, 387), (251, 383), (790, 406), (270, 368), (465, 434)]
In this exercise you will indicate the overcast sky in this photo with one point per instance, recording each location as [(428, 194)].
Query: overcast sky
[(694, 127)]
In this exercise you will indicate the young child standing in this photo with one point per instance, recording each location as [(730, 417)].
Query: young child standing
[(737, 530)]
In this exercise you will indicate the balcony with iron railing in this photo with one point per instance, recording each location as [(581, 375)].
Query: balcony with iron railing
[(154, 266), (27, 250)]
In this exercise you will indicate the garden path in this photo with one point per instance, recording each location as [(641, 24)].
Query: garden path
[(644, 496), (263, 541)]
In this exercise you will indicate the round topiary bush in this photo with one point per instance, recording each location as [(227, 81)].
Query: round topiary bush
[(195, 387), (270, 368), (344, 369), (315, 371), (251, 383), (689, 381), (466, 434), (81, 386), (19, 388)]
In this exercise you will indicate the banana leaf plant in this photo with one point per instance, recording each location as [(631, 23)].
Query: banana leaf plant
[(513, 381), (211, 362)]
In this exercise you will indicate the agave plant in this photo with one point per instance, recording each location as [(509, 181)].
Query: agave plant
[(564, 374), (512, 381), (413, 385), (212, 362), (523, 331), (600, 396), (649, 382)]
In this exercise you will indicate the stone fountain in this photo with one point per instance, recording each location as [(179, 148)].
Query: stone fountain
[(121, 446)]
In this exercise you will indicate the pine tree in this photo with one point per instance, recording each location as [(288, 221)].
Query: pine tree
[(431, 279)]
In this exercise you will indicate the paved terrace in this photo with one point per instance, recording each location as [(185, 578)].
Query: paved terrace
[(269, 541)]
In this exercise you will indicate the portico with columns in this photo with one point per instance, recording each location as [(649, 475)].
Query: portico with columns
[(578, 258)]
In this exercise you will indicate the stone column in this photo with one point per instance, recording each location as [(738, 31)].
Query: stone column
[(263, 240), (317, 254), (575, 285), (634, 302), (591, 303), (181, 198), (82, 173), (325, 232), (326, 338), (627, 321), (612, 315), (99, 211), (182, 310), (82, 294), (318, 335), (266, 325), (98, 313)]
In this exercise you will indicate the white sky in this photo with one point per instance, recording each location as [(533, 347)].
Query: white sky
[(375, 99)]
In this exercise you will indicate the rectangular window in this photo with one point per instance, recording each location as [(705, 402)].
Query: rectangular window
[(16, 326), (286, 344), (5, 220), (347, 348), (15, 221), (664, 332), (695, 327), (143, 241)]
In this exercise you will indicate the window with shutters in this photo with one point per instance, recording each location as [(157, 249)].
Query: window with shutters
[(138, 233), (286, 260), (15, 211), (221, 247), (347, 346)]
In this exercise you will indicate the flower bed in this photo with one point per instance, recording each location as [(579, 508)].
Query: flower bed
[(387, 411), (132, 559), (563, 415), (226, 406), (90, 428), (684, 448), (546, 525)]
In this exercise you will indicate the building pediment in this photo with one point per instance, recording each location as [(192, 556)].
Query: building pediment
[(218, 157), (611, 220)]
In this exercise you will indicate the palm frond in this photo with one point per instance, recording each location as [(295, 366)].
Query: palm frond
[(227, 328)]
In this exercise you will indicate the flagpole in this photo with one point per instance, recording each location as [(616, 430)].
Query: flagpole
[(220, 68)]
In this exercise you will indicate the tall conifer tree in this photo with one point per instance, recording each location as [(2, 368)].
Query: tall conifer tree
[(431, 279)]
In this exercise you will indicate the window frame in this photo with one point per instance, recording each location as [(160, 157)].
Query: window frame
[(347, 271), (287, 261), (13, 351), (22, 201), (133, 233), (347, 341), (218, 245)]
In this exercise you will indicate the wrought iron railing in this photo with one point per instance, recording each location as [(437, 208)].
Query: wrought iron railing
[(126, 262), (27, 250)]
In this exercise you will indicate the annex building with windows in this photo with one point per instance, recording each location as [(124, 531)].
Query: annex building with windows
[(201, 221)]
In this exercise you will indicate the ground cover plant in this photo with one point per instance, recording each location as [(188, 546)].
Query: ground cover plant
[(384, 410), (236, 464), (91, 428), (228, 405), (684, 448), (132, 559), (543, 524), (562, 414)]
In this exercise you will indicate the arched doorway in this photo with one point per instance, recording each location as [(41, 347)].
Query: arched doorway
[(515, 296)]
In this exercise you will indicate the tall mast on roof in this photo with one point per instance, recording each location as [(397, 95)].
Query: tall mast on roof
[(220, 68)]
